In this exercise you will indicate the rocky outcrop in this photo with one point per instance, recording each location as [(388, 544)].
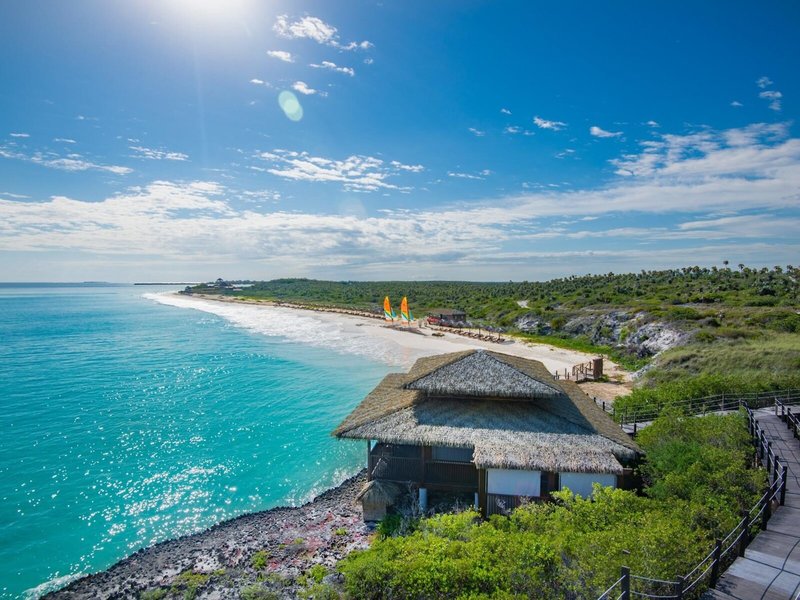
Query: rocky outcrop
[(638, 333), (532, 323), (653, 338)]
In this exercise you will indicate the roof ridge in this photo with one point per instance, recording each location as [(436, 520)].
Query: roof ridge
[(497, 356)]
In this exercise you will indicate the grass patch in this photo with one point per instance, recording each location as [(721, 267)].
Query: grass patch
[(581, 344)]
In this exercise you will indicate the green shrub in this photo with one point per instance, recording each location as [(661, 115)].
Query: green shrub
[(389, 525), (257, 592), (154, 594), (259, 559)]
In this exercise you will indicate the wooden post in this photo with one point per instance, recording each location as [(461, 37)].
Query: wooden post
[(767, 512), (745, 533), (626, 583), (715, 567), (776, 465), (784, 473), (679, 588), (767, 452)]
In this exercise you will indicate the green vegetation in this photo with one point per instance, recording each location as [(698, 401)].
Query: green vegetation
[(760, 363), (340, 531), (497, 302), (190, 582), (711, 307), (582, 344), (154, 594), (257, 592), (697, 482), (259, 559)]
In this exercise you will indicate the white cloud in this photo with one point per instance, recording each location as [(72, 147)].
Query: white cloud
[(458, 175), (281, 55), (14, 196), (545, 124), (255, 81), (326, 64), (514, 130), (753, 171), (20, 135), (303, 88), (411, 168), (505, 111), (65, 140), (736, 104), (368, 61), (154, 154), (476, 132), (707, 153), (316, 29), (774, 97), (70, 162), (763, 82), (602, 133), (355, 173), (652, 124)]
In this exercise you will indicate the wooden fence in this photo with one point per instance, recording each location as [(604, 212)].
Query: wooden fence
[(707, 572), (701, 406)]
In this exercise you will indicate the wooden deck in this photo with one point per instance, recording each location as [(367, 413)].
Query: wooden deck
[(770, 568)]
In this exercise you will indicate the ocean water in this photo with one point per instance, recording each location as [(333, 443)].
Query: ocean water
[(127, 418)]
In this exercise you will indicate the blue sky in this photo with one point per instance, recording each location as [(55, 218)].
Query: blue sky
[(192, 139)]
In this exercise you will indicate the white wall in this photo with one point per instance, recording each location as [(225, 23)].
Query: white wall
[(581, 483), (514, 482)]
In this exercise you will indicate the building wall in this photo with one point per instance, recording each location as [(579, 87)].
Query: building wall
[(581, 483), (514, 482), (452, 454)]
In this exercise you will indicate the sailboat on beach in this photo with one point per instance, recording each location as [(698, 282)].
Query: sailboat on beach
[(405, 314), (388, 311)]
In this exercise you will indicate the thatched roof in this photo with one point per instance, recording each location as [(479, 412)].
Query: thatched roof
[(376, 491), (481, 374), (463, 399), (504, 435)]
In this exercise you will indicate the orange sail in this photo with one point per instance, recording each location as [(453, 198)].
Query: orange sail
[(388, 313), (405, 316)]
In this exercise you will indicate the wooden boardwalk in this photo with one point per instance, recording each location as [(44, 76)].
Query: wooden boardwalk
[(770, 568)]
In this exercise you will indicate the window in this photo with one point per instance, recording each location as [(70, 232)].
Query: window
[(452, 454)]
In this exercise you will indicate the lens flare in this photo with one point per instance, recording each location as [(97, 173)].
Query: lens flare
[(290, 105)]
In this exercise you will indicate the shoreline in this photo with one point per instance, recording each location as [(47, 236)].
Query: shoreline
[(320, 532), (421, 343)]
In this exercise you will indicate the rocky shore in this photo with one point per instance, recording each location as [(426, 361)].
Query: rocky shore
[(279, 553)]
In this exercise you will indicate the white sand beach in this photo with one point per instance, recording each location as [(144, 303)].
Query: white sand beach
[(366, 336)]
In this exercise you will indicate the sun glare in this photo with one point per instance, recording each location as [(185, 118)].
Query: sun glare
[(212, 10)]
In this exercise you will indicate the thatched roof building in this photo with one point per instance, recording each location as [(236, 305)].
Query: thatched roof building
[(509, 410)]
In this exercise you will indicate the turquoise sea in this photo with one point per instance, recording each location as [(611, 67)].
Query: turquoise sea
[(125, 421)]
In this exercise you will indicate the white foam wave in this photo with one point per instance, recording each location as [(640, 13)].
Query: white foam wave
[(320, 330), (50, 586)]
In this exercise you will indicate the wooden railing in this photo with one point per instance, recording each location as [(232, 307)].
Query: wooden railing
[(394, 468), (451, 473), (707, 572), (706, 404), (501, 504), (435, 472)]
